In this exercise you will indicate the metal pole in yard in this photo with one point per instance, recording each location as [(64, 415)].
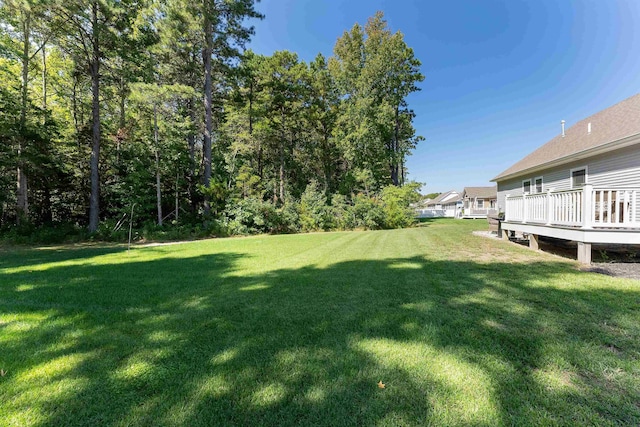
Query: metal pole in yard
[(130, 227)]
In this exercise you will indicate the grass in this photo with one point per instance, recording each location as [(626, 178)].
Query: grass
[(299, 329)]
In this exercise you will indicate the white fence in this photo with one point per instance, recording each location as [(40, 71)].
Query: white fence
[(585, 207), (436, 213)]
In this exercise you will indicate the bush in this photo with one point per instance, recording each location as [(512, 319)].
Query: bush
[(315, 214), (396, 201), (366, 212), (249, 216), (43, 235), (338, 212), (175, 231), (112, 230), (287, 218)]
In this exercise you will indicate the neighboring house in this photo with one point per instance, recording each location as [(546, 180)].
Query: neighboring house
[(418, 207), (478, 202), (583, 185), (447, 204)]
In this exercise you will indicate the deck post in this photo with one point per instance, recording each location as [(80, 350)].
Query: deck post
[(505, 234), (587, 202), (584, 253), (549, 208), (533, 242), (524, 208)]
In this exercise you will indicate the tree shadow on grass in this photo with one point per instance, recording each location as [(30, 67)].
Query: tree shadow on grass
[(15, 256), (195, 341)]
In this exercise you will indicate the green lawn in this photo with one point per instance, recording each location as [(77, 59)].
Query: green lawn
[(299, 329)]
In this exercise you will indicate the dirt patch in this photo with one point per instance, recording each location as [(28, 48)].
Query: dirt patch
[(613, 349), (489, 234), (630, 270)]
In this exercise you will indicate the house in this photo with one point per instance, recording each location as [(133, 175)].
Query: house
[(447, 204), (583, 185), (478, 202), (420, 206)]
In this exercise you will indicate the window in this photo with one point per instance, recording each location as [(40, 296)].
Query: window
[(538, 184), (526, 186), (578, 177), (480, 203)]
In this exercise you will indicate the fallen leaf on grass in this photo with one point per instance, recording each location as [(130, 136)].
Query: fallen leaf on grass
[(381, 384), (3, 372)]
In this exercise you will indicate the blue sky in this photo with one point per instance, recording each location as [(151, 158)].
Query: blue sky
[(499, 74)]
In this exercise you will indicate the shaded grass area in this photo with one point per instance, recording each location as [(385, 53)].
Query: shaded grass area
[(299, 329)]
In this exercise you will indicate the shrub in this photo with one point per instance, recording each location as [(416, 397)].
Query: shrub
[(249, 216), (44, 235), (338, 212), (315, 214), (287, 219), (366, 212), (254, 216), (176, 231), (396, 201)]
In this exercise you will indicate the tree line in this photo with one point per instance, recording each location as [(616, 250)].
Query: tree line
[(114, 106)]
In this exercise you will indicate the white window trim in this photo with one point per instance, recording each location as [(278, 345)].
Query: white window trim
[(541, 184), (586, 174), (529, 181)]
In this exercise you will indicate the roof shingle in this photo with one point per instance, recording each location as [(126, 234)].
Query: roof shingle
[(612, 124), (449, 197), (480, 192)]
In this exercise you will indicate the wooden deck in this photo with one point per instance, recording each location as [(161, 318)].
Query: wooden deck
[(586, 215)]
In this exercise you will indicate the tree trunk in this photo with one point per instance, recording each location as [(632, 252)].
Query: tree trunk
[(44, 77), (191, 142), (122, 106), (177, 198), (328, 185), (94, 200), (47, 214), (208, 100), (281, 195), (22, 207), (260, 161), (74, 103), (281, 152), (157, 150), (122, 93), (395, 167), (260, 149), (251, 108)]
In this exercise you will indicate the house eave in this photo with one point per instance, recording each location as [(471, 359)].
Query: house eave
[(590, 152)]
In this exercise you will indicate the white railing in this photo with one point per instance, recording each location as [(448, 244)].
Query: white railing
[(566, 208), (585, 207)]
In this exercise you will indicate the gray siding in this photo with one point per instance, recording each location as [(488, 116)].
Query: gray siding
[(622, 169), (617, 169)]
